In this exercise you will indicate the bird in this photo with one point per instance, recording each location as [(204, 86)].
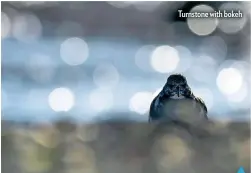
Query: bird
[(176, 102)]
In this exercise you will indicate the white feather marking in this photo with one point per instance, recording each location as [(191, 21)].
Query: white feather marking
[(177, 97)]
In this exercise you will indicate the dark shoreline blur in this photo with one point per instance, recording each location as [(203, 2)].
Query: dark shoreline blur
[(117, 146)]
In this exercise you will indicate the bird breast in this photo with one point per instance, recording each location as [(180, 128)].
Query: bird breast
[(187, 110)]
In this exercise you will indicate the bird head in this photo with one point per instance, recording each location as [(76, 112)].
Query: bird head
[(176, 86)]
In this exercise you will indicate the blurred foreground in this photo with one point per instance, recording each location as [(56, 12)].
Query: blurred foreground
[(124, 147)]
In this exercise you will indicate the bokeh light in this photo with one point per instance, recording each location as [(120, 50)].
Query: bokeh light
[(229, 80), (101, 100), (202, 26), (26, 27), (165, 59), (231, 25), (61, 99), (105, 75), (5, 26), (140, 102), (74, 51)]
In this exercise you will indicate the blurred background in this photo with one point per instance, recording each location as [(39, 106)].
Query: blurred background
[(93, 58), (67, 66)]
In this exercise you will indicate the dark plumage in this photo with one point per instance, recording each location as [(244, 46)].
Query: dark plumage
[(177, 102)]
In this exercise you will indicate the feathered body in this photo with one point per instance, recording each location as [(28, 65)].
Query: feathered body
[(177, 102)]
